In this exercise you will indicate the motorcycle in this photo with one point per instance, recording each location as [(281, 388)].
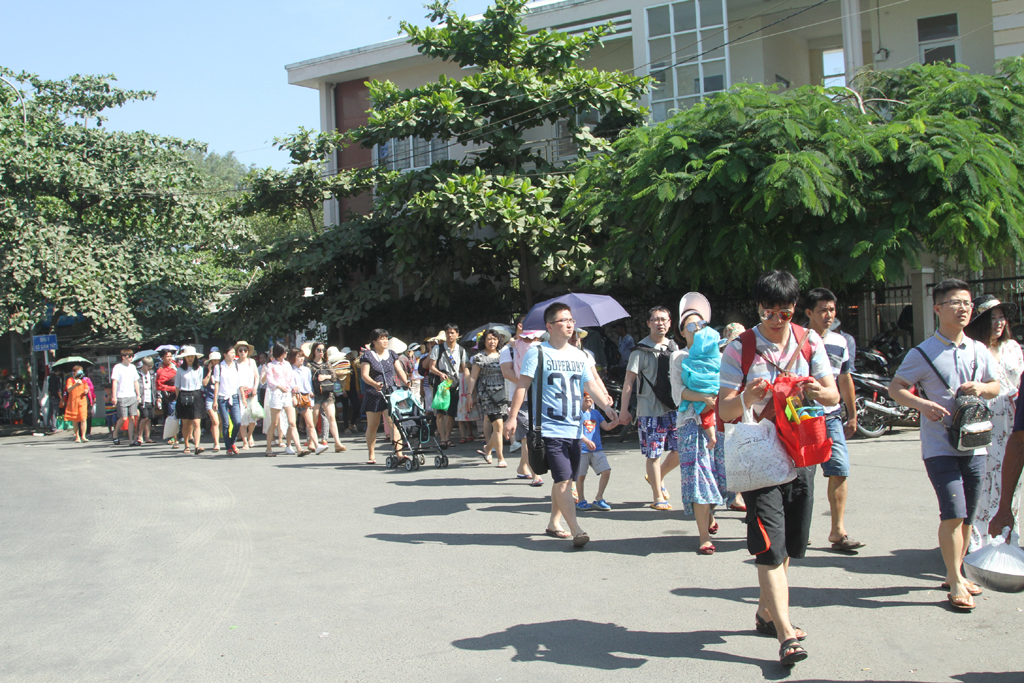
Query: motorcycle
[(883, 354), (876, 411)]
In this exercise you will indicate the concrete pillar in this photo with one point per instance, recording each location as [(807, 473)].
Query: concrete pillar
[(867, 326), (328, 122), (924, 316), (853, 39)]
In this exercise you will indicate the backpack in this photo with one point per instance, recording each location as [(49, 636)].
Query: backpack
[(662, 384), (971, 426), (748, 342)]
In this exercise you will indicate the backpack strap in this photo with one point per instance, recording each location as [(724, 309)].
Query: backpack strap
[(934, 369)]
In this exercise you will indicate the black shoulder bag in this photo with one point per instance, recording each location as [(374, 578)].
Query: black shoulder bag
[(971, 426), (534, 441)]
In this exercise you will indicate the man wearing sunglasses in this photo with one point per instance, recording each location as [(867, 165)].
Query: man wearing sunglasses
[(778, 517)]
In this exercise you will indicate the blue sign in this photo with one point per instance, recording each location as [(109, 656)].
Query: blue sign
[(44, 342)]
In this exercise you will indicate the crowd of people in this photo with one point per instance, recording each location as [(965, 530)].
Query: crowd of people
[(540, 392)]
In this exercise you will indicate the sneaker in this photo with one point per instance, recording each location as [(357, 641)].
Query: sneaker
[(320, 449), (289, 451), (602, 505), (584, 505)]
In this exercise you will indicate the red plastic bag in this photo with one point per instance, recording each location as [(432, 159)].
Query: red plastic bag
[(807, 441)]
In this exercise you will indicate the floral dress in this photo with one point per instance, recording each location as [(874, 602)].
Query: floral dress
[(490, 385), (701, 468), (1011, 366)]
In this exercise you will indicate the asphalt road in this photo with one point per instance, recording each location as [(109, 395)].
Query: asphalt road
[(143, 564)]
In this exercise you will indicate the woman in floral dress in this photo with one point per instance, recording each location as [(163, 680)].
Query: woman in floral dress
[(486, 393), (701, 465), (991, 326)]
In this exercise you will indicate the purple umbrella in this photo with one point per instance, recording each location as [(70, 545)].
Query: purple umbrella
[(589, 310), (172, 347)]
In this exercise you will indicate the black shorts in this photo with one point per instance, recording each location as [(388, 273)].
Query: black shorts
[(146, 411), (779, 519), (563, 457)]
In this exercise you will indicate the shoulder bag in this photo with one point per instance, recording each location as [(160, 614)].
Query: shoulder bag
[(971, 426), (534, 440)]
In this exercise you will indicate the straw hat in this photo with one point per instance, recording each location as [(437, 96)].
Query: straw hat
[(188, 351), (335, 357), (252, 349), (215, 355), (439, 338)]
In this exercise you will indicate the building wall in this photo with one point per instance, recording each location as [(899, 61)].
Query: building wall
[(1008, 28), (898, 28), (351, 102)]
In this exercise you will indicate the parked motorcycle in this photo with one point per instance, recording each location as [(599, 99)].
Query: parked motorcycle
[(876, 412), (883, 354)]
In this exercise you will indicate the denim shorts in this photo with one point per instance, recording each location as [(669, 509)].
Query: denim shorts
[(563, 458), (957, 483), (839, 464), (657, 434)]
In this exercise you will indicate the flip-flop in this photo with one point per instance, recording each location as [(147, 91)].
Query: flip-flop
[(713, 529), (371, 462), (502, 464), (557, 533), (706, 549), (738, 508), (660, 505), (847, 544), (537, 482), (523, 476), (962, 604), (972, 588), (580, 539)]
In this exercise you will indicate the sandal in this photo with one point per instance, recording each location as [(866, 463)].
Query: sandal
[(972, 588), (792, 652), (200, 450), (462, 441), (767, 628), (706, 549), (847, 544), (713, 529), (270, 454), (502, 463), (186, 451), (580, 539), (371, 462), (558, 533), (961, 604), (660, 505)]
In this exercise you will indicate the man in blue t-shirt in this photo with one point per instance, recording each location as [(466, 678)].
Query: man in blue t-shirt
[(564, 373)]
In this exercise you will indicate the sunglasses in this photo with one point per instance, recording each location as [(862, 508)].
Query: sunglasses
[(784, 316), (696, 326)]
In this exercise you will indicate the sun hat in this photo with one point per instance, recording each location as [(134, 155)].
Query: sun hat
[(986, 302), (439, 337), (730, 332), (345, 350), (414, 347), (252, 349), (215, 355), (189, 351), (335, 357), (694, 302), (307, 349)]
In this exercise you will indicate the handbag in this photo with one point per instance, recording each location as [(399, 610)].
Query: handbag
[(807, 441), (971, 425), (534, 441), (302, 401), (754, 456)]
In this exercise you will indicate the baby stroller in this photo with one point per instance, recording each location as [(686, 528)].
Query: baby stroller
[(412, 426)]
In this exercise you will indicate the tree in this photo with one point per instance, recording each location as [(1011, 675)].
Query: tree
[(837, 185), (99, 222)]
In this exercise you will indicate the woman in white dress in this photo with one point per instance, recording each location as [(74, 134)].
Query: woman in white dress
[(991, 326)]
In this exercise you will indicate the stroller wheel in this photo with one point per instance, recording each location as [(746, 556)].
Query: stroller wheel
[(444, 461), (422, 459), (437, 461), (410, 464), (389, 461)]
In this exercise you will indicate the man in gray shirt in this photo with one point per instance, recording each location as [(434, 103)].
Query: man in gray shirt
[(967, 367)]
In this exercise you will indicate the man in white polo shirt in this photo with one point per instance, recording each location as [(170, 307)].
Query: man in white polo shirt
[(124, 381)]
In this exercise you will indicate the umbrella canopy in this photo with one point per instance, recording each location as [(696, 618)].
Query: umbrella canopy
[(397, 345), (170, 347), (144, 354), (504, 331), (73, 360), (589, 310)]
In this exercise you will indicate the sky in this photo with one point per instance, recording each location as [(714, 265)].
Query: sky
[(217, 66)]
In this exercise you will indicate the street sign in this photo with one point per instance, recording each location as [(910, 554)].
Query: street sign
[(44, 342)]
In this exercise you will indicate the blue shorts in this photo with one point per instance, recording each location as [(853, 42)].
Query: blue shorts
[(657, 434), (563, 458), (957, 483), (839, 464), (209, 404)]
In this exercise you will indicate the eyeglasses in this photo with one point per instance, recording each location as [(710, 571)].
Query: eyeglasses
[(660, 320), (784, 316), (126, 355), (696, 326), (958, 303), (563, 321)]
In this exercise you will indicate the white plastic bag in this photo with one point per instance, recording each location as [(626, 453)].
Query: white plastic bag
[(254, 408), (170, 427), (754, 456), (998, 564)]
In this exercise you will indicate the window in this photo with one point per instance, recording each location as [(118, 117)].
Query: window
[(833, 64), (406, 154), (565, 145), (937, 38), (687, 53)]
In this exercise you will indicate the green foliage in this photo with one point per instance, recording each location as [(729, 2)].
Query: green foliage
[(836, 188), (90, 219)]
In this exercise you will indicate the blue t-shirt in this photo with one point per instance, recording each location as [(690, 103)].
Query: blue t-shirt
[(565, 373), (592, 420)]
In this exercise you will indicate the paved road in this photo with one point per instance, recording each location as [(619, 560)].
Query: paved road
[(143, 564)]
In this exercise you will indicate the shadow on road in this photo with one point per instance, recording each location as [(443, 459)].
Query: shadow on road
[(912, 563), (809, 598), (636, 547), (611, 647), (451, 506)]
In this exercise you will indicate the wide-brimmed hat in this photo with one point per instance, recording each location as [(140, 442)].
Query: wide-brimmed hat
[(694, 302), (252, 349), (215, 355), (439, 337), (986, 302), (188, 351), (336, 357)]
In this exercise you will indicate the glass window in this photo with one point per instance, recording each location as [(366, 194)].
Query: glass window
[(420, 152), (833, 64), (942, 53), (401, 157), (685, 15), (438, 149), (657, 21), (937, 28), (693, 59)]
